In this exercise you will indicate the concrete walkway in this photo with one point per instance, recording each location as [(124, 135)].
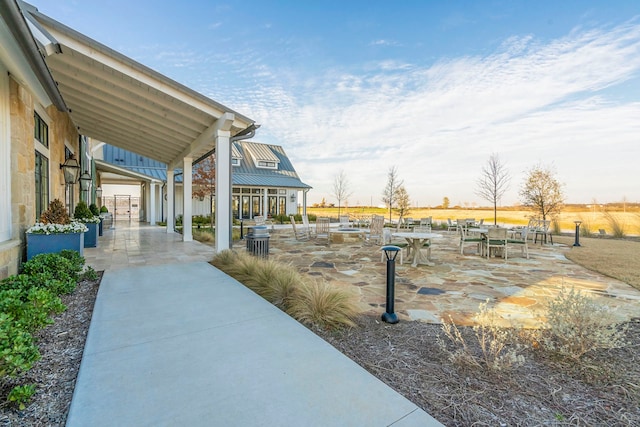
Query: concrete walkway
[(182, 344)]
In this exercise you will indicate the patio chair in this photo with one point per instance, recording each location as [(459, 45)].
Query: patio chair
[(543, 230), (426, 222), (401, 246), (344, 221), (496, 238), (465, 238), (450, 225), (322, 229), (305, 223), (375, 229), (300, 232), (520, 239)]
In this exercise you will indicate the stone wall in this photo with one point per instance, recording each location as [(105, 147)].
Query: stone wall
[(61, 130)]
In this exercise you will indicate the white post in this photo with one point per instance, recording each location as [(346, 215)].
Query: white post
[(223, 190), (187, 200), (170, 218), (265, 202), (152, 203)]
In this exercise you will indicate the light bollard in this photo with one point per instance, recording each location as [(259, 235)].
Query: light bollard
[(577, 242), (391, 252)]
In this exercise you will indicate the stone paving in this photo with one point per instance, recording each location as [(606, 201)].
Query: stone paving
[(456, 284)]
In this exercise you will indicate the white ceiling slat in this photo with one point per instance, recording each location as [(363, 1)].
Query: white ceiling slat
[(126, 132), (122, 111), (80, 71)]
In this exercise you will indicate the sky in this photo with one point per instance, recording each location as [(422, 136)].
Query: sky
[(432, 88)]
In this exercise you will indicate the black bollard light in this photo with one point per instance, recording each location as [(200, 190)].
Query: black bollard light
[(577, 242), (241, 230), (391, 252)]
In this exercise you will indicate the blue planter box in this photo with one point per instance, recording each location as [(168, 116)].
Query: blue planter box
[(54, 243), (91, 236)]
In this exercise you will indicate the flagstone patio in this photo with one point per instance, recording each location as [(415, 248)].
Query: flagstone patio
[(455, 286)]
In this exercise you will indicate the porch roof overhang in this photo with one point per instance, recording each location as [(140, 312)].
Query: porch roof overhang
[(115, 99), (110, 173)]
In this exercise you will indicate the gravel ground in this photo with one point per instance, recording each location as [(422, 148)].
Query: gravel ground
[(61, 345)]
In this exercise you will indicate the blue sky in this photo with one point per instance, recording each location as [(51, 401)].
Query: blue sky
[(433, 88)]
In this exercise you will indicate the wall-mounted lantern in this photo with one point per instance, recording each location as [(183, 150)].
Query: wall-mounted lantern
[(71, 170)]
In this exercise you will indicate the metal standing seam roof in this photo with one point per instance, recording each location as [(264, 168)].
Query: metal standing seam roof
[(247, 174)]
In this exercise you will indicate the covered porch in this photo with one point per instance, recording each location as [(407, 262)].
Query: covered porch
[(116, 100)]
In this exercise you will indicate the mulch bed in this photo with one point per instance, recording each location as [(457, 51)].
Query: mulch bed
[(61, 346), (603, 389)]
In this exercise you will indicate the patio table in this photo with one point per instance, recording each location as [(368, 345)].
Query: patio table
[(417, 240)]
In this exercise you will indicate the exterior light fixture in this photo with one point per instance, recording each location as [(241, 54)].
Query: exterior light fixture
[(391, 252), (85, 181), (293, 197), (71, 170), (99, 192), (577, 242)]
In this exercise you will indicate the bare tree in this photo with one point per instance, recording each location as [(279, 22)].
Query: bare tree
[(542, 192), (404, 203), (493, 183), (390, 190), (204, 182), (341, 189)]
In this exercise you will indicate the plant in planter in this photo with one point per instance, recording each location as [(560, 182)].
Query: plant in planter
[(83, 214), (55, 232), (96, 212)]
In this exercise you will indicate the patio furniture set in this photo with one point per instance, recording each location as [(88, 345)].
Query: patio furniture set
[(415, 238)]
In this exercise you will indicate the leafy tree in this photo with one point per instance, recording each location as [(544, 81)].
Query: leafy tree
[(542, 192), (204, 181), (493, 183), (341, 189), (445, 203), (391, 189), (402, 197)]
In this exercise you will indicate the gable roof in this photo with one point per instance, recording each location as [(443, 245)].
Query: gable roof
[(117, 100), (246, 174)]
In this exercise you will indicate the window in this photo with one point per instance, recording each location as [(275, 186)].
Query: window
[(267, 165), (235, 162), (42, 183), (41, 130), (41, 170)]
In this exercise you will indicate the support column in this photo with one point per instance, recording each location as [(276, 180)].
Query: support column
[(265, 202), (170, 196), (223, 190), (187, 200), (152, 203)]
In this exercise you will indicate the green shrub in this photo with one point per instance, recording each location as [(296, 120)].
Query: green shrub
[(18, 351), (104, 209), (21, 395), (30, 310), (576, 325), (94, 209), (82, 210), (58, 272)]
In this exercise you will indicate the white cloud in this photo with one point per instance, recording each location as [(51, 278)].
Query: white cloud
[(529, 101)]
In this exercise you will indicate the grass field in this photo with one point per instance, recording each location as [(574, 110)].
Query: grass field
[(592, 221)]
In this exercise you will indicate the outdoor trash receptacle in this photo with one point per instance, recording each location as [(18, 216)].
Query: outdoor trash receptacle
[(257, 240)]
